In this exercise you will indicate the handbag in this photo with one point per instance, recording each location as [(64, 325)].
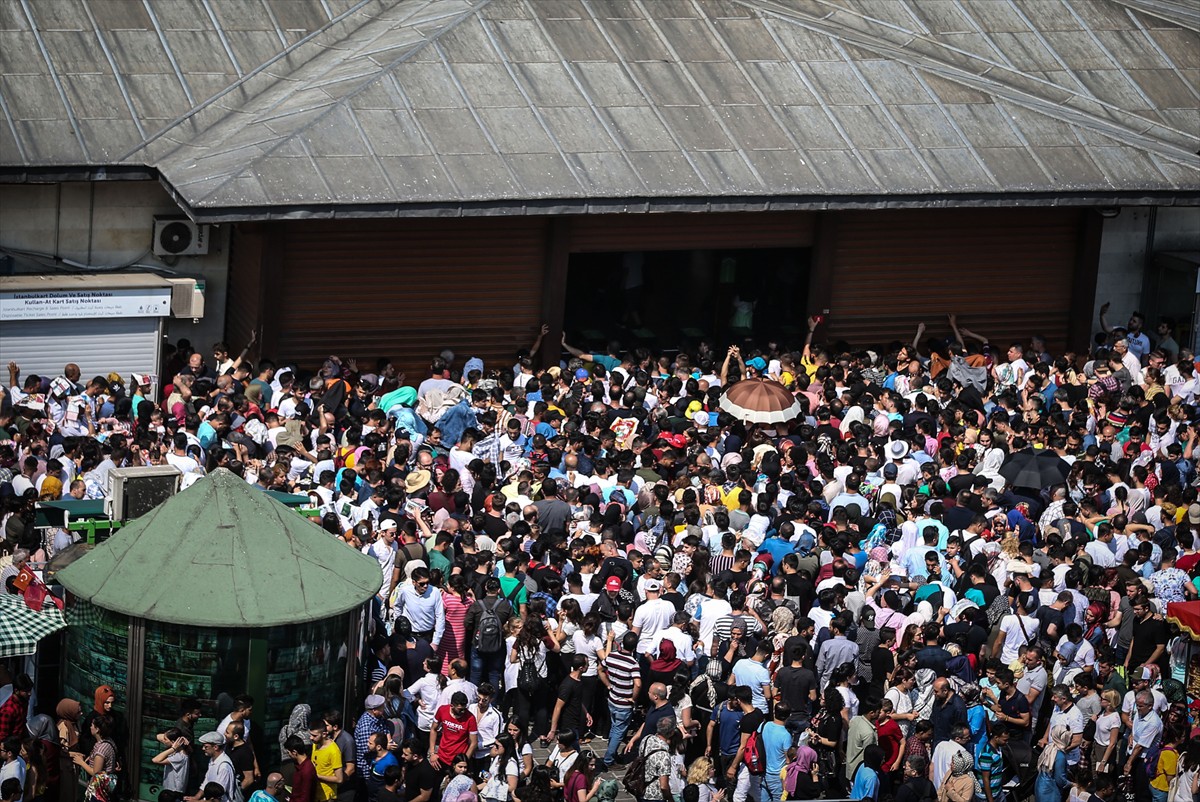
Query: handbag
[(101, 787)]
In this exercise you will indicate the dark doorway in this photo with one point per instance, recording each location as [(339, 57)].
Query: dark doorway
[(667, 299)]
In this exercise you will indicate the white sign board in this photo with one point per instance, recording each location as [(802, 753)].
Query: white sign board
[(141, 302)]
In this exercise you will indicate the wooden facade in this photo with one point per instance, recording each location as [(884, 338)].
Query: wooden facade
[(407, 288)]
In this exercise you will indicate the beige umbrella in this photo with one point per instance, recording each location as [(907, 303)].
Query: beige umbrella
[(760, 401)]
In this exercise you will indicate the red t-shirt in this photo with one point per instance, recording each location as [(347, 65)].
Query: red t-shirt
[(304, 782), (890, 736), (454, 734), (1186, 562)]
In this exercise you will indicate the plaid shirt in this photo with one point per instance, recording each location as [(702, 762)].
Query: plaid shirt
[(13, 714), (367, 726)]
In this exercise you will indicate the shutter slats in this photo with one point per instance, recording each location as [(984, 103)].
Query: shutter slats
[(98, 347), (406, 290), (1007, 274)]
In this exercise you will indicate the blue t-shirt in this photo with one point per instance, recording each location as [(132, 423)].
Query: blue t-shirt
[(776, 741), (206, 434), (777, 547), (755, 674), (729, 733), (866, 784), (381, 765)]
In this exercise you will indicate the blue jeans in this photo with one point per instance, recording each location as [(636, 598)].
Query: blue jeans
[(619, 716), (772, 787), (490, 664)]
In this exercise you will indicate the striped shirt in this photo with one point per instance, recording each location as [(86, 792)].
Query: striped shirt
[(622, 670), (724, 626)]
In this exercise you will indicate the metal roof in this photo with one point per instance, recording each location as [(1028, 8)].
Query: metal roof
[(223, 554), (394, 106)]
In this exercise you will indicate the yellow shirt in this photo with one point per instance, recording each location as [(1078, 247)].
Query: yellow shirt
[(1168, 765), (327, 760)]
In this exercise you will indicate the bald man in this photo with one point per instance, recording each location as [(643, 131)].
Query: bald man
[(660, 710), (274, 790)]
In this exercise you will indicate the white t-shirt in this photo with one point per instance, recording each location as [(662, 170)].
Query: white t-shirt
[(682, 641), (708, 614), (1018, 631), (588, 647), (1160, 703), (1073, 719), (1105, 723), (650, 618), (14, 769)]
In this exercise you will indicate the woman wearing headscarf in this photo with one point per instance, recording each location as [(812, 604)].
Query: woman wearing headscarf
[(1052, 778), (297, 724), (68, 713), (41, 728), (959, 785), (103, 701)]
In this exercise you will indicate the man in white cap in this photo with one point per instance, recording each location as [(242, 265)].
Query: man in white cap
[(220, 768), (652, 616)]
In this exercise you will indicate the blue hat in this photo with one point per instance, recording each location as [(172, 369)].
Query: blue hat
[(758, 363), (581, 374), (805, 544)]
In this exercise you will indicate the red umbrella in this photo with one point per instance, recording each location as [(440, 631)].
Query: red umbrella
[(760, 401)]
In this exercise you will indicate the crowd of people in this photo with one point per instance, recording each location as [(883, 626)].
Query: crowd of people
[(945, 577)]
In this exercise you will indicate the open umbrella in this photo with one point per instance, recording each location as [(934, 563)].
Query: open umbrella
[(1035, 469), (22, 628), (760, 401)]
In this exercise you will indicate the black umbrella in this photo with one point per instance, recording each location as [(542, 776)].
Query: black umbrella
[(1035, 469)]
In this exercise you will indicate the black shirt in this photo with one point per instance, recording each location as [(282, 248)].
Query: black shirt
[(795, 686), (243, 760), (1147, 636), (418, 777), (571, 694), (752, 721), (916, 789)]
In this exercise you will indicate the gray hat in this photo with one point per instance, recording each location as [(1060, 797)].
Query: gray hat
[(374, 702), (214, 738)]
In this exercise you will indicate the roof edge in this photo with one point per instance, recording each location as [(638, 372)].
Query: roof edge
[(197, 622), (642, 205), (56, 173)]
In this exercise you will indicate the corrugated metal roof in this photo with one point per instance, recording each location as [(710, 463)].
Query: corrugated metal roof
[(406, 104)]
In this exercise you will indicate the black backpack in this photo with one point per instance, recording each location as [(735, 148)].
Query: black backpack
[(635, 776), (489, 635)]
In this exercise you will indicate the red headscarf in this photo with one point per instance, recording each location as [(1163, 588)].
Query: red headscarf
[(103, 694)]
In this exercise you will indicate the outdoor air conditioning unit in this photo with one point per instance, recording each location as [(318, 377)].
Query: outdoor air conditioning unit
[(176, 235), (136, 491), (187, 297)]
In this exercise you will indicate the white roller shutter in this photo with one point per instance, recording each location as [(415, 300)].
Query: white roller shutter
[(122, 344)]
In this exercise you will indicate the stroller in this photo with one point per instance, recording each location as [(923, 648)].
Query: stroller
[(1020, 771)]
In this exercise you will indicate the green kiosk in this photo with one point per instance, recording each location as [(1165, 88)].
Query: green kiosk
[(219, 591)]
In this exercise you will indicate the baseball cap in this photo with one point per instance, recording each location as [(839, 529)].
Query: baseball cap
[(890, 471), (613, 583), (652, 585), (1193, 514), (212, 738), (387, 523), (581, 374)]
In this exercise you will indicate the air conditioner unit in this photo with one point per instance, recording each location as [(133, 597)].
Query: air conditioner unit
[(176, 235), (187, 297), (133, 492)]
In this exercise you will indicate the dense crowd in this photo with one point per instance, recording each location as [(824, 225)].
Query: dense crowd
[(945, 576)]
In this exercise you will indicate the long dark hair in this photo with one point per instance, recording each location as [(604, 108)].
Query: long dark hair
[(530, 636), (585, 764)]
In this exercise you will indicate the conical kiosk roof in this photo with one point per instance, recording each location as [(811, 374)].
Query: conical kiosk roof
[(223, 554)]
